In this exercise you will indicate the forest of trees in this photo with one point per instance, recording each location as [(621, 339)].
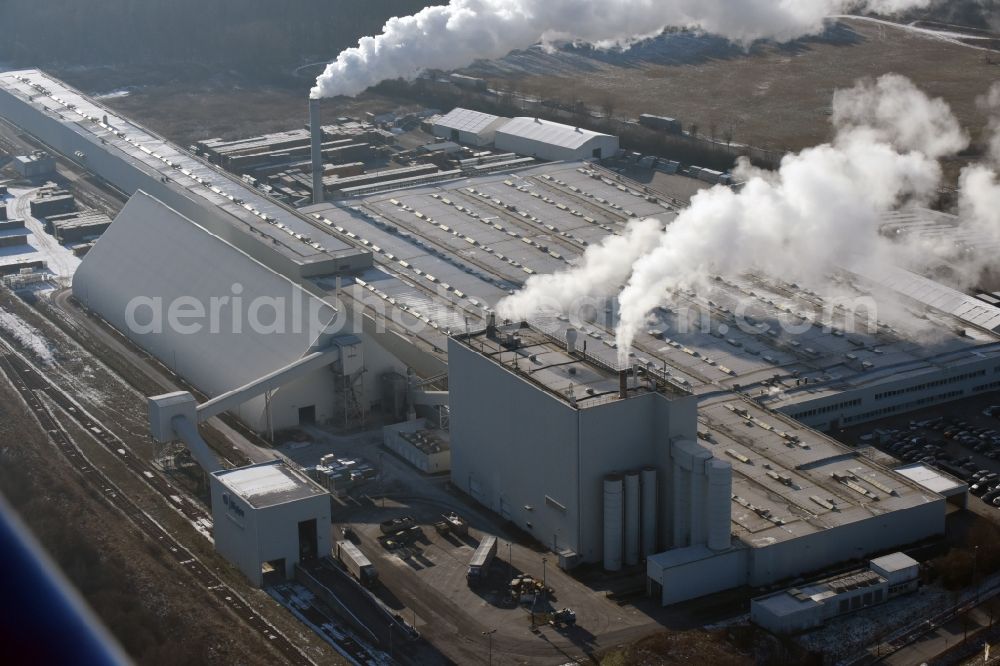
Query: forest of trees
[(239, 34)]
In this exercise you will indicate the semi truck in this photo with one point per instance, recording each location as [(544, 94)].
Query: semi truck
[(356, 563), (479, 566)]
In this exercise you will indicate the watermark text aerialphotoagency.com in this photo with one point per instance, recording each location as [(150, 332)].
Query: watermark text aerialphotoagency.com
[(238, 312)]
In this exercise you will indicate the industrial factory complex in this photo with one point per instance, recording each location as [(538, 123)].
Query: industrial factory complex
[(704, 460)]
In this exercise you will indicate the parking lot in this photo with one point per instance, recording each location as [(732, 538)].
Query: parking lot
[(424, 580), (961, 439)]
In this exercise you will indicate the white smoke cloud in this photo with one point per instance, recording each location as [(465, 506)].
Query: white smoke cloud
[(991, 103), (455, 35), (600, 273), (820, 210), (896, 112), (979, 184)]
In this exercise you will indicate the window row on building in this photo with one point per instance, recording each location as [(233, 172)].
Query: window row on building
[(932, 384), (827, 409), (906, 406)]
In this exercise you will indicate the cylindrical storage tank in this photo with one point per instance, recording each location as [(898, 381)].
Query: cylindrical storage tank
[(719, 507), (571, 337), (649, 539), (613, 517), (698, 506), (681, 489), (632, 518)]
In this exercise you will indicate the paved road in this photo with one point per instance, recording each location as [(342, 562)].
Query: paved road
[(58, 259)]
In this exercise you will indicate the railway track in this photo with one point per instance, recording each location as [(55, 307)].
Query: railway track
[(41, 385), (42, 398)]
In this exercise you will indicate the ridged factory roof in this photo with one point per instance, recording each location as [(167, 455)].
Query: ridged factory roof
[(467, 120), (556, 134), (934, 294)]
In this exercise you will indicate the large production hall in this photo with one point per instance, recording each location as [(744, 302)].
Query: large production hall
[(733, 383)]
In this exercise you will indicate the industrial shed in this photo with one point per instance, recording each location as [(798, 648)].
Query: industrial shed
[(154, 260), (554, 142), (268, 518), (809, 605), (471, 128)]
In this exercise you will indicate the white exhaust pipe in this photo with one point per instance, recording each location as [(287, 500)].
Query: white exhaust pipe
[(316, 131)]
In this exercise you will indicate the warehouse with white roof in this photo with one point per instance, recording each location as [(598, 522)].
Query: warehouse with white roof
[(554, 142), (472, 128)]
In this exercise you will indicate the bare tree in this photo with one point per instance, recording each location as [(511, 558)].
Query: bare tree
[(608, 107), (727, 136)]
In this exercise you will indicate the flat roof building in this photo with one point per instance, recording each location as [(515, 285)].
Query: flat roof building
[(36, 165), (801, 502), (808, 606), (598, 466), (936, 481), (267, 518), (743, 495)]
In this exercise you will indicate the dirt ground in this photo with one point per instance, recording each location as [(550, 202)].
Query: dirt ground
[(192, 105), (130, 583), (172, 619), (775, 97), (693, 647), (772, 96)]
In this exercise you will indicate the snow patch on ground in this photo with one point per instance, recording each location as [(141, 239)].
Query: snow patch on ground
[(115, 94), (844, 637), (28, 336), (59, 260), (299, 601)]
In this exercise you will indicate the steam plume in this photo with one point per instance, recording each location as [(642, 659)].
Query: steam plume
[(979, 200), (600, 273), (457, 34), (819, 210)]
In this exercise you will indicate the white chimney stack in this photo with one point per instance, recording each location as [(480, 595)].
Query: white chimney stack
[(316, 131)]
